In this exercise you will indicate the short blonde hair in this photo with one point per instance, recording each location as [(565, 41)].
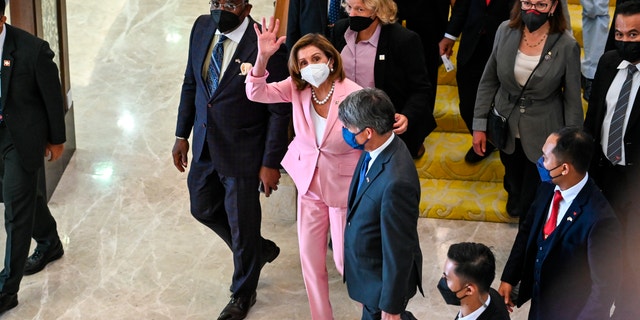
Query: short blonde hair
[(385, 10), (320, 42)]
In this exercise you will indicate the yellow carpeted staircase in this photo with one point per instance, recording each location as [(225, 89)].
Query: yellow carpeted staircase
[(451, 188)]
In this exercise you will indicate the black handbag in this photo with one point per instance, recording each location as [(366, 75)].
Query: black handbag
[(497, 124), (497, 128)]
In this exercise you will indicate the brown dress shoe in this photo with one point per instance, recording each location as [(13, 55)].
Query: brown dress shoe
[(238, 307)]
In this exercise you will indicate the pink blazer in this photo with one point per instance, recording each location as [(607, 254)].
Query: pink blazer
[(335, 160)]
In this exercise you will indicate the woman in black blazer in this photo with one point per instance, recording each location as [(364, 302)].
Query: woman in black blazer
[(378, 52)]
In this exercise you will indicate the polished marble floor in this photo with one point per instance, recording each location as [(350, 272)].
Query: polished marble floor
[(133, 251)]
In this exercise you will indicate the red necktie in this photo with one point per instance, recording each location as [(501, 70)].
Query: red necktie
[(488, 1), (553, 219)]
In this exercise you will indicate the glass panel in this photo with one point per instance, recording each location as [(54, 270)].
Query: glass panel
[(50, 26)]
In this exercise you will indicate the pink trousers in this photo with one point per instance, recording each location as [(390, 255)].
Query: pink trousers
[(315, 220)]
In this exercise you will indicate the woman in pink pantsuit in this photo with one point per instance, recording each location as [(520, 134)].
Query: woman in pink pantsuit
[(319, 161)]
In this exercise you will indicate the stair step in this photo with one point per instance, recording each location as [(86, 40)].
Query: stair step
[(464, 200), (444, 159), (446, 110)]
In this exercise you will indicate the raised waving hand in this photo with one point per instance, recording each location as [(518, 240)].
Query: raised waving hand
[(268, 44)]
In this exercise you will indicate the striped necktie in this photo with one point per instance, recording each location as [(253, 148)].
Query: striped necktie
[(216, 65), (614, 147)]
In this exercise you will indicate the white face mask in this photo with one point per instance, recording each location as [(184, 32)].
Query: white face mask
[(315, 74)]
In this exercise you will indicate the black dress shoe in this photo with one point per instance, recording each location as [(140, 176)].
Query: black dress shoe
[(270, 252), (8, 301), (419, 153), (238, 307), (39, 259), (473, 157)]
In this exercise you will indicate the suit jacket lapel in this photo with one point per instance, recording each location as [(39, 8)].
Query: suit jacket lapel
[(511, 43), (547, 55), (540, 216), (353, 186), (201, 50), (609, 71), (7, 63), (332, 116), (243, 53), (635, 111), (374, 171), (573, 213), (381, 51)]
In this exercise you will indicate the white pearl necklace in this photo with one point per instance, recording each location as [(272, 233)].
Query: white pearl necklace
[(323, 101)]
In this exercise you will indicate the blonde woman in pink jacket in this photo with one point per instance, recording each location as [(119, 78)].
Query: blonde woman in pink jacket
[(319, 160)]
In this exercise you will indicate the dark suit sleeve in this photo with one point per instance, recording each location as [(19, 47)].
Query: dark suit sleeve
[(605, 267), (417, 105), (51, 93), (337, 35), (187, 106), (398, 219), (277, 129), (459, 14), (597, 100)]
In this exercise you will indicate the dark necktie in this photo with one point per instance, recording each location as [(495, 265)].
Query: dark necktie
[(553, 219), (216, 64), (363, 169), (614, 147), (334, 11)]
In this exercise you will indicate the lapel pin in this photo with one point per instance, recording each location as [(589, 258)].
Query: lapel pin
[(381, 57), (237, 60), (570, 219), (6, 63), (367, 179), (575, 213)]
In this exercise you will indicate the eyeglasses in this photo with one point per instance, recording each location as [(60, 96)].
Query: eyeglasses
[(540, 6), (226, 6), (354, 134)]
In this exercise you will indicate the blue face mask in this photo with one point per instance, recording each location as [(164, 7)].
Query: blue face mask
[(545, 175), (350, 139)]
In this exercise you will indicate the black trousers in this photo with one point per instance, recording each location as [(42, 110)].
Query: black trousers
[(26, 213), (468, 78), (521, 181), (373, 313), (230, 206)]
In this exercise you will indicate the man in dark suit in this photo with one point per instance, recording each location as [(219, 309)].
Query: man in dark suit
[(237, 144), (31, 127), (382, 257), (477, 21), (312, 16), (618, 173), (566, 255), (466, 281), (429, 20)]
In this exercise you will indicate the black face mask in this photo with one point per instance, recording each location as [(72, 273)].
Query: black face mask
[(534, 19), (225, 20), (628, 50), (450, 297), (358, 24)]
